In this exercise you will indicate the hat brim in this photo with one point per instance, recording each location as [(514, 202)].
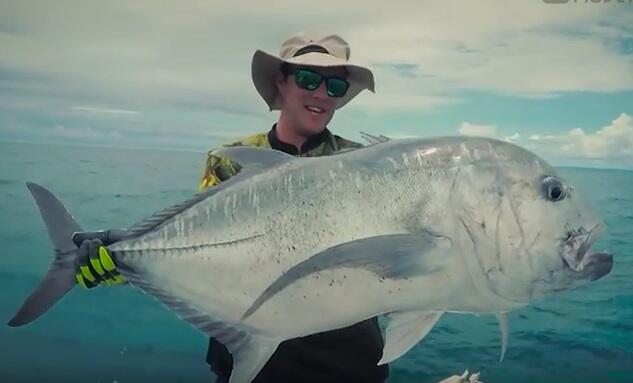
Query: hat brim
[(265, 69)]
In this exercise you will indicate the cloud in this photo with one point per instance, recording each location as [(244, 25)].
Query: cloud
[(85, 134), (468, 129), (491, 131), (98, 110), (611, 142), (63, 61)]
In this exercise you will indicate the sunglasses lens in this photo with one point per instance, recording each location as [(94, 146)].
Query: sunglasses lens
[(307, 79), (337, 87)]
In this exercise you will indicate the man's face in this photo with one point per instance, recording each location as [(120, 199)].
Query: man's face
[(308, 111)]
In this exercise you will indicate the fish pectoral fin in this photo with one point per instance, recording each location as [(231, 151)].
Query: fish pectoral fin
[(503, 327), (404, 330), (251, 157), (392, 256)]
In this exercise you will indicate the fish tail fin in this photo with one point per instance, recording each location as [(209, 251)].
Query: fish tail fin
[(60, 277)]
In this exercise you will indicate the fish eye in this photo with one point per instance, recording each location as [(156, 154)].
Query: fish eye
[(553, 189)]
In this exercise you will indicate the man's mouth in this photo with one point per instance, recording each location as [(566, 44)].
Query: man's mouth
[(577, 254), (315, 109)]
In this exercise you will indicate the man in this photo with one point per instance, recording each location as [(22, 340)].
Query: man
[(310, 79), (307, 82)]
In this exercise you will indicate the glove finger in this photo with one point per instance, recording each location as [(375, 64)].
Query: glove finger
[(93, 255), (105, 259), (79, 278), (116, 279), (83, 260), (112, 277), (82, 253), (87, 268)]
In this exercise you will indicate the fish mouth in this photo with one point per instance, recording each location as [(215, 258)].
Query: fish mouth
[(578, 257)]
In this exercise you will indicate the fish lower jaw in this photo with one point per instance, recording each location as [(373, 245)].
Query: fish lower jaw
[(576, 250), (596, 264)]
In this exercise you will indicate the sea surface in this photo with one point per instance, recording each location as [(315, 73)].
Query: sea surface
[(118, 334)]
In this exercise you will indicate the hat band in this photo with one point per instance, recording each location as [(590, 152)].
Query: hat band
[(311, 49)]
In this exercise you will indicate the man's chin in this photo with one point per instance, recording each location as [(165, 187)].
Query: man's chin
[(312, 127)]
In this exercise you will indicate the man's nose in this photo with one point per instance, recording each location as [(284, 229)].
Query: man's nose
[(321, 91)]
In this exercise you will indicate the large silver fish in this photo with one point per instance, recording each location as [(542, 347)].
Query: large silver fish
[(410, 229)]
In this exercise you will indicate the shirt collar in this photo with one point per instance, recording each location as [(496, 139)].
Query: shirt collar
[(310, 144)]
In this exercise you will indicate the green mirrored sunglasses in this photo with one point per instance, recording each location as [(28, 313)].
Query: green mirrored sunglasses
[(310, 80)]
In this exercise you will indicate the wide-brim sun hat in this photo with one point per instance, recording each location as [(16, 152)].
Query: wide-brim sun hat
[(303, 50)]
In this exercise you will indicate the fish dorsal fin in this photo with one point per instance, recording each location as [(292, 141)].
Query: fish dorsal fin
[(250, 352), (251, 161), (404, 330), (374, 140), (161, 216)]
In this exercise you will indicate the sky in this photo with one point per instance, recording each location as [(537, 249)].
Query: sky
[(554, 78)]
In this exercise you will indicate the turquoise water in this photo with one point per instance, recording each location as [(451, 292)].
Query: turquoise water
[(119, 334)]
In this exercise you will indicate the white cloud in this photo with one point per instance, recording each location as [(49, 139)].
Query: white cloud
[(86, 133), (515, 136), (468, 129), (420, 50), (98, 110), (614, 141), (111, 60), (491, 131)]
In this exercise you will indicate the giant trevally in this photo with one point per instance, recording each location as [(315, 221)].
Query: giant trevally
[(409, 229)]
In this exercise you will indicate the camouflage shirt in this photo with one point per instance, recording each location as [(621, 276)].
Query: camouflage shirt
[(218, 168), (346, 355)]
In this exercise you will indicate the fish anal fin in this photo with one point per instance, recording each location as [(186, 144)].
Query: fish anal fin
[(250, 359), (250, 351), (404, 330)]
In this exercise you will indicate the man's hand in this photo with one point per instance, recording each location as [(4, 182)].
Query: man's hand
[(95, 265), (466, 377)]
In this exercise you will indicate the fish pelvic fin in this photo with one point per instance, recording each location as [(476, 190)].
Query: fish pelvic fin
[(503, 328), (60, 277)]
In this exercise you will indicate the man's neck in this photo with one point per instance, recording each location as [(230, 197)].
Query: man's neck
[(286, 134)]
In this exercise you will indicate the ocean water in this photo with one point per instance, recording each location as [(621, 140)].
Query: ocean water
[(121, 335)]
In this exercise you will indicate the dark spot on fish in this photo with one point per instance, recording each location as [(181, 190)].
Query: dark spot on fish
[(331, 282), (304, 297)]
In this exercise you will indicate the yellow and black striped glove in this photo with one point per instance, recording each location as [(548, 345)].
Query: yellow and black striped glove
[(95, 265)]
